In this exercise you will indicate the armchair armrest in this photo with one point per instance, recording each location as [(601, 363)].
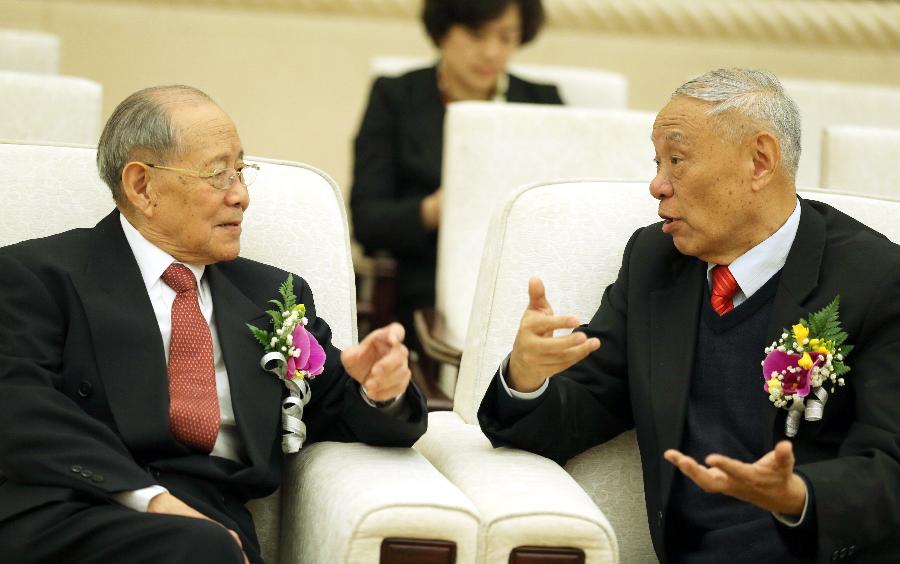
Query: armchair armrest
[(430, 330), (342, 500), (524, 500)]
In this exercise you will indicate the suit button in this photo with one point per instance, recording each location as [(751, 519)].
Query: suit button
[(843, 553), (834, 555), (85, 388), (76, 469), (97, 478), (86, 473), (851, 550)]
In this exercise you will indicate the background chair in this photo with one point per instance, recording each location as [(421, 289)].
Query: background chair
[(490, 150), (331, 507), (42, 107), (578, 86), (823, 104), (861, 160), (572, 235), (29, 51)]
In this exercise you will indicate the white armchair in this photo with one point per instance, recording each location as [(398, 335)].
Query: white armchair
[(490, 150), (823, 104), (862, 160), (329, 509), (49, 108), (573, 236), (29, 51), (578, 86)]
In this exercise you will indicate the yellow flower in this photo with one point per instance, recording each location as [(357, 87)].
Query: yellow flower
[(818, 345), (774, 384), (805, 362), (800, 332)]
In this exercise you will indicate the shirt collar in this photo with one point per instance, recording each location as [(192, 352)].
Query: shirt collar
[(152, 261), (755, 267)]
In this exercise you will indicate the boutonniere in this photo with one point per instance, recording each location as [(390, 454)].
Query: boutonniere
[(293, 354), (805, 361)]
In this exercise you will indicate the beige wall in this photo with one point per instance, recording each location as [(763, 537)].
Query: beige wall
[(294, 73)]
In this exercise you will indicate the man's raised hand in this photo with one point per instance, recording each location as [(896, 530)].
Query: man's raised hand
[(536, 353), (380, 363)]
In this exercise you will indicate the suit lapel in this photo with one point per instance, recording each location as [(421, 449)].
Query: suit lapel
[(127, 344), (799, 277), (674, 315), (255, 393)]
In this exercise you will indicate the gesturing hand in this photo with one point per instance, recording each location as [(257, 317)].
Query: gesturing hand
[(769, 483), (380, 363), (170, 505), (536, 353)]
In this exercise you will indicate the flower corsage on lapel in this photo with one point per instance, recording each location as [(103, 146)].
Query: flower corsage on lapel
[(805, 361), (293, 354)]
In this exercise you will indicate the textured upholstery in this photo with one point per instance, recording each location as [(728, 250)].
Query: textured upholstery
[(578, 86), (338, 511), (42, 107), (492, 149), (29, 51), (823, 104), (878, 213), (573, 236), (523, 499), (862, 160)]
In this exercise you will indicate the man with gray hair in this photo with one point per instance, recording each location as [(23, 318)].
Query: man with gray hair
[(739, 273), (136, 418)]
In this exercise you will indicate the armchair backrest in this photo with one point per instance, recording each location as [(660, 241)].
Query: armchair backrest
[(878, 213), (578, 86), (49, 108), (29, 51), (572, 235), (296, 221), (861, 160), (824, 103), (491, 149)]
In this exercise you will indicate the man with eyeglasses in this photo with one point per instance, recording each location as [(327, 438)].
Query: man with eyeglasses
[(145, 447)]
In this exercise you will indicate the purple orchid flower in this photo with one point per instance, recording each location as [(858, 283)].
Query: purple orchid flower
[(312, 355), (796, 382)]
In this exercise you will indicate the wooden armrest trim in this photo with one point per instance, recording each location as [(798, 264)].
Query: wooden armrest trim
[(546, 555), (417, 551), (428, 324)]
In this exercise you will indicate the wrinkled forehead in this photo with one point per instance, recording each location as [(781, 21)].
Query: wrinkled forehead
[(206, 132), (682, 121)]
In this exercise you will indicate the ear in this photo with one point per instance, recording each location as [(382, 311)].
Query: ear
[(137, 189), (766, 155)]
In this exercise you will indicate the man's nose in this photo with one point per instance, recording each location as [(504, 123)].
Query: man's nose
[(660, 187), (238, 195)]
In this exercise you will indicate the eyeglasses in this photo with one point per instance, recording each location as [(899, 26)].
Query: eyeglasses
[(220, 179)]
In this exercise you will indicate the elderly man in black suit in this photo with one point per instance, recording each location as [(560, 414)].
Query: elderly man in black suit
[(676, 346), (136, 418)]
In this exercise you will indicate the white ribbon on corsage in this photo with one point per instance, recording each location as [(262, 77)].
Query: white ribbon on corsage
[(292, 406), (811, 410)]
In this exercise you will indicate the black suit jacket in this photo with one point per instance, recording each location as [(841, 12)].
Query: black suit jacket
[(83, 381), (640, 377), (397, 162)]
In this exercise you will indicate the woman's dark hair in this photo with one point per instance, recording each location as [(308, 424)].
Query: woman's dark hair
[(439, 15)]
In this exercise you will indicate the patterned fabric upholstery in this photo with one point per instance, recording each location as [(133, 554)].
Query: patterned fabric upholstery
[(334, 510), (43, 107), (578, 86), (862, 160), (29, 51), (823, 104)]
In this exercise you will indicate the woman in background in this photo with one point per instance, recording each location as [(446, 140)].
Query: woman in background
[(396, 194)]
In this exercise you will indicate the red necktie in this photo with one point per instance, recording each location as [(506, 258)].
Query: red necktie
[(723, 290), (193, 402)]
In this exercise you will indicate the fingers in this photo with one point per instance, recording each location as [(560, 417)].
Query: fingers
[(537, 299), (543, 324), (237, 539), (784, 456), (389, 376), (710, 480)]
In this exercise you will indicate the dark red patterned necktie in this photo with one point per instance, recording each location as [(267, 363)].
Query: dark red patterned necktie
[(193, 402), (723, 290)]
